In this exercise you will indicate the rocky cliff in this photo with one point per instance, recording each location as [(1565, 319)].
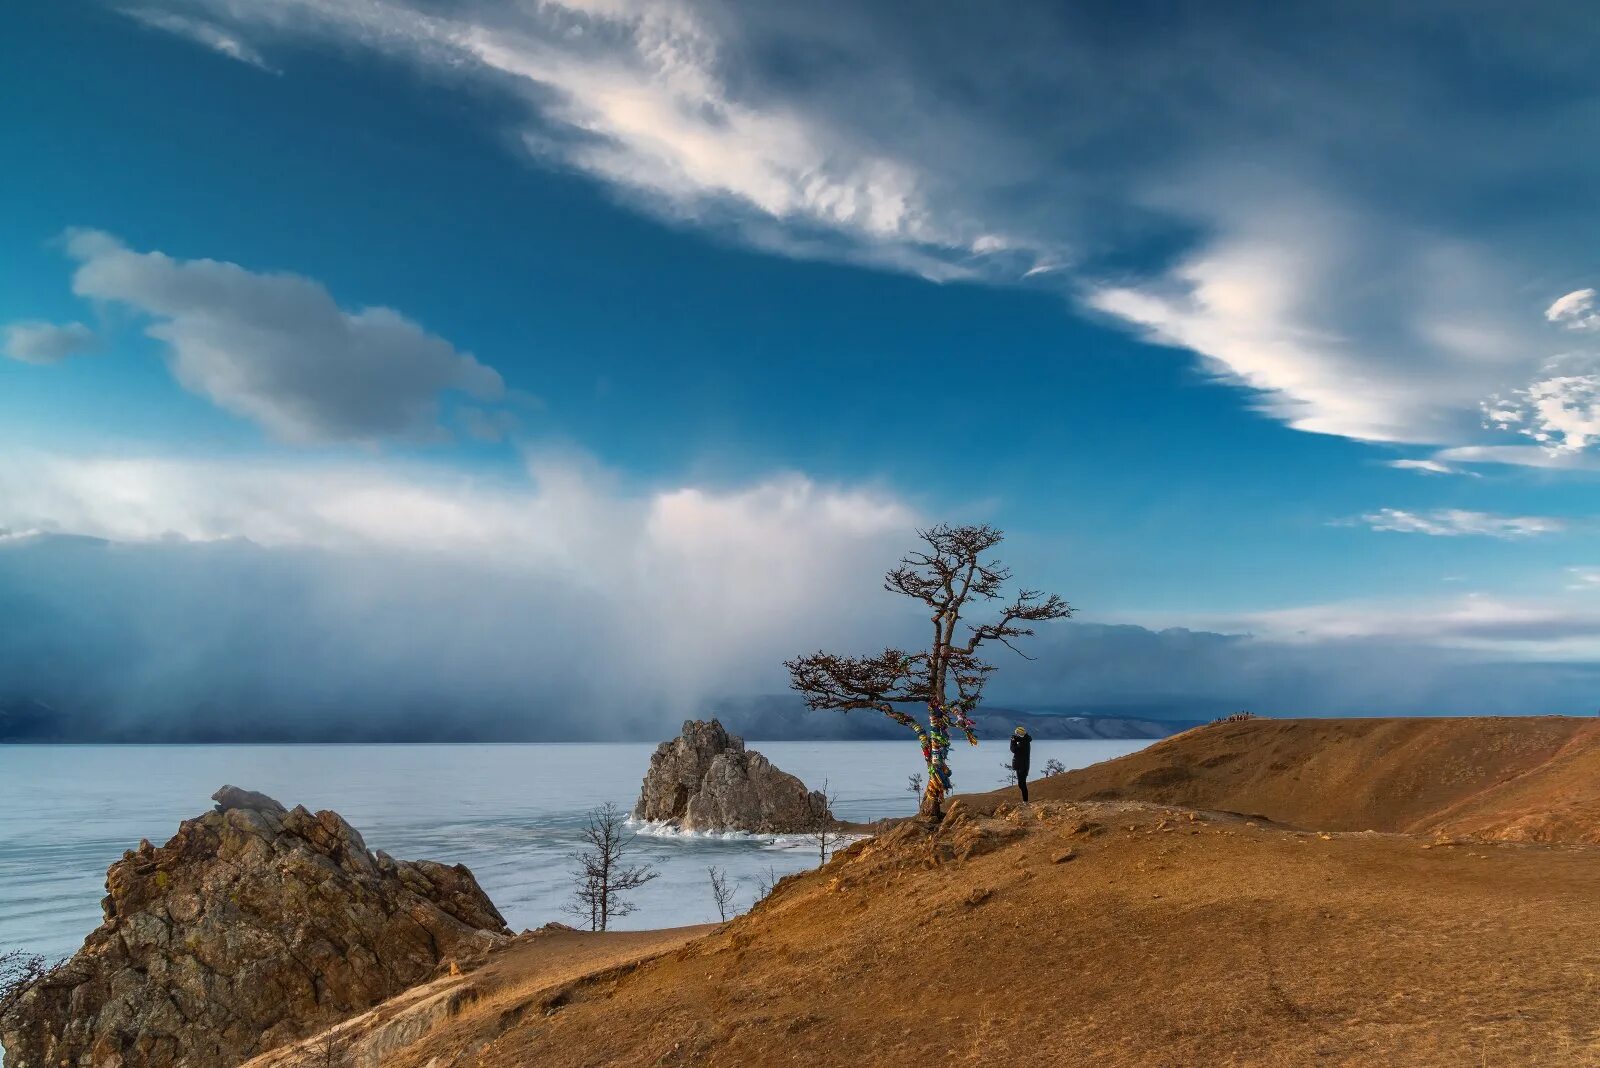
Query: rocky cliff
[(705, 780), (254, 926)]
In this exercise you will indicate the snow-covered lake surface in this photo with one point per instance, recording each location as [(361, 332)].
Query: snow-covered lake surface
[(509, 812)]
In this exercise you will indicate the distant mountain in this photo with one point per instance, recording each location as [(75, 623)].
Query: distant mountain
[(781, 717), (27, 721), (772, 717)]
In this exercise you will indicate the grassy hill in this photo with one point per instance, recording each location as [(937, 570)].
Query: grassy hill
[(1124, 922), (1510, 778)]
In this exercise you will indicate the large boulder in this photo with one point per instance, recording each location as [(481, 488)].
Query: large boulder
[(254, 926), (705, 780)]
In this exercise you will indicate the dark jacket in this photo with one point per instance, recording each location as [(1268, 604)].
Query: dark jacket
[(1021, 750)]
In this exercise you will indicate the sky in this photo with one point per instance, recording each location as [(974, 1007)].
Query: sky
[(566, 365)]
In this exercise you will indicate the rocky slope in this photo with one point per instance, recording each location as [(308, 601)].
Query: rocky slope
[(253, 926), (705, 780), (1531, 778), (1116, 933)]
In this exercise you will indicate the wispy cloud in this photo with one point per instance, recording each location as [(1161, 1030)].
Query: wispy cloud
[(1575, 311), (1519, 456), (1453, 522), (1341, 288), (1553, 626), (201, 32), (1583, 578), (1431, 467)]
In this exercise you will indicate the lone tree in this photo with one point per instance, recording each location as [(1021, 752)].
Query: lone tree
[(602, 876), (950, 576)]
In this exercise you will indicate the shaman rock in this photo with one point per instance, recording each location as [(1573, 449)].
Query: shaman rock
[(705, 780), (254, 926)]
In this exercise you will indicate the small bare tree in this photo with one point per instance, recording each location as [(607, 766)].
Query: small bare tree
[(721, 891), (602, 877), (19, 972), (914, 783), (765, 882), (1053, 767), (949, 576), (824, 828), (330, 1049)]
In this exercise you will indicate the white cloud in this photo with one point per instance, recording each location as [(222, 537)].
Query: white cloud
[(637, 95), (1281, 299), (207, 34), (277, 349), (486, 424), (1454, 522), (1551, 626), (1584, 578), (566, 580), (38, 342), (1575, 311), (1561, 412), (1339, 286), (1430, 467), (1518, 456)]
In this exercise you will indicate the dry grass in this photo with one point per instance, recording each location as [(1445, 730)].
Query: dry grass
[(1129, 934), (1162, 941), (1515, 778)]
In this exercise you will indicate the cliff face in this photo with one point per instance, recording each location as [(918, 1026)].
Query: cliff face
[(705, 780), (255, 925)]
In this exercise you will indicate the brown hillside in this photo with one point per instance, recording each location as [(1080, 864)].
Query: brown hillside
[(1530, 779), (1106, 933)]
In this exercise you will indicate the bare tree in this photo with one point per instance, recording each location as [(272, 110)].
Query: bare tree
[(949, 576), (721, 891), (914, 783), (824, 828), (19, 972), (1053, 767), (330, 1049), (765, 883), (602, 876)]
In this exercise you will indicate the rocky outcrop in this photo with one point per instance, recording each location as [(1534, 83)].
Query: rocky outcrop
[(254, 926), (705, 780)]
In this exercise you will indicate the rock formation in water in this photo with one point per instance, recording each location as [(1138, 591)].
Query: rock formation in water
[(254, 926), (705, 780)]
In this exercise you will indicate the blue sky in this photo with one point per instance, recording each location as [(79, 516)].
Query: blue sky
[(746, 292)]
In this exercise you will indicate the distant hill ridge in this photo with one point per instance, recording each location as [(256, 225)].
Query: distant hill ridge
[(766, 718), (1534, 778)]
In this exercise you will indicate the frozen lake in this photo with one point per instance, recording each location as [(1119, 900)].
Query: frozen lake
[(509, 812)]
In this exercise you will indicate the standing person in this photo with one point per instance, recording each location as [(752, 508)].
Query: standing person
[(1021, 751)]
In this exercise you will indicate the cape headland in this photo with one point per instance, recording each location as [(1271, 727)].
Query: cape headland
[(255, 925)]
